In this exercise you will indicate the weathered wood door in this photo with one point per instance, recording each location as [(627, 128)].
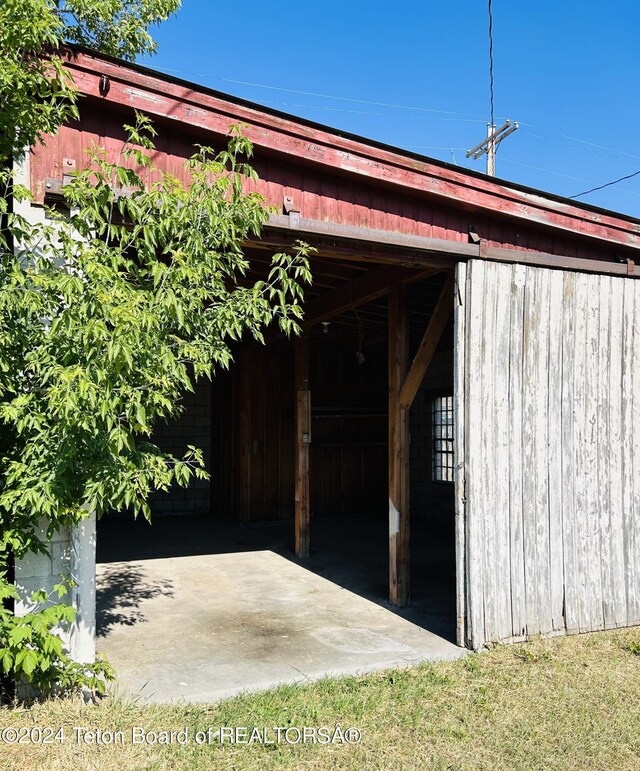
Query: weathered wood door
[(548, 451)]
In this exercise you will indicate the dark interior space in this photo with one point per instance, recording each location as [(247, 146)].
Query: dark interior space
[(246, 421)]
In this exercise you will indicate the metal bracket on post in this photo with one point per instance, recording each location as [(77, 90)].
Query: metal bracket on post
[(290, 208), (69, 167), (53, 187)]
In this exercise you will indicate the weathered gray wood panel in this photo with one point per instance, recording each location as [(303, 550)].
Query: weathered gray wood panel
[(474, 509), (548, 442), (459, 302)]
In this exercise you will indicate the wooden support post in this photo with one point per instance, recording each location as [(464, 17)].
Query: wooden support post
[(398, 450), (303, 441)]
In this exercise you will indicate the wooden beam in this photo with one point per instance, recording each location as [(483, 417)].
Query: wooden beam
[(276, 239), (363, 289), (437, 323), (398, 450), (436, 252), (303, 441)]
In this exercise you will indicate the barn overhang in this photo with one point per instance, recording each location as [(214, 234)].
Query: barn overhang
[(320, 175), (403, 218)]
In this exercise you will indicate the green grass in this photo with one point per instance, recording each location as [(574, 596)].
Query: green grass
[(563, 703)]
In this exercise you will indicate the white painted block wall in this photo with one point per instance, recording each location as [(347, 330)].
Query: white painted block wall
[(72, 551), (72, 554)]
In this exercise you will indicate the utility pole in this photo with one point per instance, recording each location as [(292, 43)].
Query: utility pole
[(491, 150), (490, 144)]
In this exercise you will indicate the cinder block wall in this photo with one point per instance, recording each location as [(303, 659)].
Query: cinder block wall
[(192, 427), (42, 571), (70, 554), (430, 501)]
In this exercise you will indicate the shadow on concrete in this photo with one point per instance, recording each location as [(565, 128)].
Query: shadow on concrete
[(351, 553), (119, 592)]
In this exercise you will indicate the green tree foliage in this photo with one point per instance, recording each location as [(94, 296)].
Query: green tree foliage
[(107, 316), (108, 313), (36, 91)]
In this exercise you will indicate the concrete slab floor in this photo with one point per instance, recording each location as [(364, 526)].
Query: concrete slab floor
[(201, 627)]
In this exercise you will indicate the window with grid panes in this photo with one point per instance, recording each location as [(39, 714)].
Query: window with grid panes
[(442, 435)]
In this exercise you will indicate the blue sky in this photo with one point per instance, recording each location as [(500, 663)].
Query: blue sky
[(416, 75)]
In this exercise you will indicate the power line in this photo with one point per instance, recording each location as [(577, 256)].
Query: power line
[(458, 116), (546, 171), (323, 108), (272, 102), (432, 147), (592, 147), (601, 147), (442, 114), (321, 96), (607, 184), (491, 59), (560, 174)]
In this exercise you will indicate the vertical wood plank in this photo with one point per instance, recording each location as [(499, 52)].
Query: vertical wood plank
[(474, 525), (460, 310), (518, 593), (487, 475), (303, 440), (271, 436), (488, 479), (244, 437), (529, 460), (554, 431), (592, 576), (568, 463), (580, 468), (501, 462), (541, 445), (287, 435), (399, 557), (257, 448), (615, 568), (635, 454), (631, 436), (607, 472)]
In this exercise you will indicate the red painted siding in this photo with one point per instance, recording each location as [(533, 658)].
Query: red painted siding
[(330, 177)]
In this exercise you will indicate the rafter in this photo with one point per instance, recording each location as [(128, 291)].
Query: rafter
[(433, 333), (359, 291)]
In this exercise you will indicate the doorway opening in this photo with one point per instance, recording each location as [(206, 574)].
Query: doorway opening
[(245, 422)]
